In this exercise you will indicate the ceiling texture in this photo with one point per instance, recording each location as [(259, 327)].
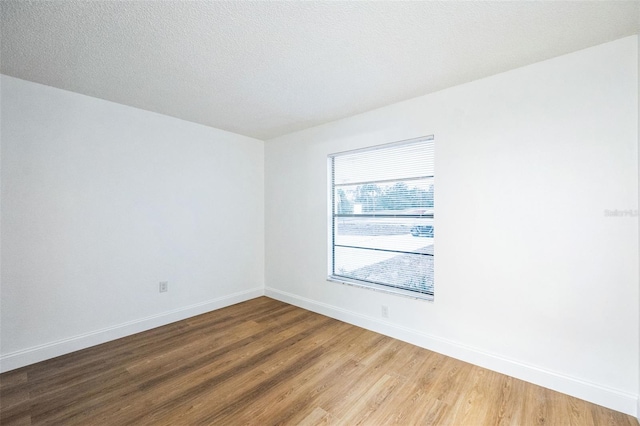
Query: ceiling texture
[(264, 69)]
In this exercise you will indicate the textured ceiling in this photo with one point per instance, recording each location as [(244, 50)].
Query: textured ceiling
[(264, 69)]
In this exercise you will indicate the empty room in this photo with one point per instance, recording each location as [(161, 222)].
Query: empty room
[(313, 212)]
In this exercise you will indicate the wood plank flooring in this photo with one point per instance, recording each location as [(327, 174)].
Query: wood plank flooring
[(264, 362)]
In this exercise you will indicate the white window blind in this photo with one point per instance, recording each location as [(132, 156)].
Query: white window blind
[(382, 217)]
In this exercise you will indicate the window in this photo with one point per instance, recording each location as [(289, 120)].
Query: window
[(382, 222)]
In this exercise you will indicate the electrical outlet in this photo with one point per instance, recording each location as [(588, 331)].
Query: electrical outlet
[(164, 286), (385, 311)]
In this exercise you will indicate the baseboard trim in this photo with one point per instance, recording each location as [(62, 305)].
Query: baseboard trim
[(28, 356), (614, 399)]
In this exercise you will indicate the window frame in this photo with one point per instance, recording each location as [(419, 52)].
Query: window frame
[(331, 276)]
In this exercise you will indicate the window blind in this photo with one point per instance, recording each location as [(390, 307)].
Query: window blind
[(382, 216)]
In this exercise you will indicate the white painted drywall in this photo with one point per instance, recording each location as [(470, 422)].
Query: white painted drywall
[(638, 112), (101, 202), (532, 278)]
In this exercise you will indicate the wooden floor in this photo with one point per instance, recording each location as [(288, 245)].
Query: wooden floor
[(264, 362)]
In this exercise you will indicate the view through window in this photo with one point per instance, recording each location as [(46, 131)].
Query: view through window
[(382, 217)]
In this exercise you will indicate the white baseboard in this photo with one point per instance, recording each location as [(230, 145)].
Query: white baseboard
[(28, 356), (614, 399)]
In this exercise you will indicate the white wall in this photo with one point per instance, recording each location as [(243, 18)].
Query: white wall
[(532, 279), (100, 202), (638, 111)]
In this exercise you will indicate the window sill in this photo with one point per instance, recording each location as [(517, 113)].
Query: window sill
[(382, 289)]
